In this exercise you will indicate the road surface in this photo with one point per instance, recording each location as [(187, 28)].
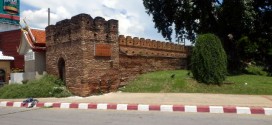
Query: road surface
[(46, 116)]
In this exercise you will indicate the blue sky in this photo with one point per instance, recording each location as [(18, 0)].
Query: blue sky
[(131, 14)]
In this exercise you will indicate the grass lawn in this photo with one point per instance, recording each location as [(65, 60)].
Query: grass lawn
[(161, 82)]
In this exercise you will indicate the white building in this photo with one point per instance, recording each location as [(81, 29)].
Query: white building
[(33, 48)]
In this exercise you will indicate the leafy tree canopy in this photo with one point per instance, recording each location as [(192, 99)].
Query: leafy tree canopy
[(230, 20), (188, 16)]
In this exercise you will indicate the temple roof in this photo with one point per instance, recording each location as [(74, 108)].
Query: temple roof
[(35, 38), (39, 36)]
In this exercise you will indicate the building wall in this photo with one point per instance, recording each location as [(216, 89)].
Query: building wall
[(34, 67), (40, 63), (97, 60), (9, 41), (16, 78), (5, 65), (30, 66), (7, 27)]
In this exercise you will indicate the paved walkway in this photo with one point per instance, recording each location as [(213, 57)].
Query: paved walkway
[(167, 98), (186, 102)]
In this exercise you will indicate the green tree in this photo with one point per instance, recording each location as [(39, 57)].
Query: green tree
[(209, 60), (236, 19), (188, 16), (230, 20), (263, 32)]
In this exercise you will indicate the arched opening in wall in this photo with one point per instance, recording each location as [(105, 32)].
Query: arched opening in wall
[(2, 76), (62, 71)]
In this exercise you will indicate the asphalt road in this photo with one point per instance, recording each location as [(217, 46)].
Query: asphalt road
[(45, 116)]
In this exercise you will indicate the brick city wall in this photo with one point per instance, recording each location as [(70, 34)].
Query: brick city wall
[(139, 56), (97, 60), (75, 41)]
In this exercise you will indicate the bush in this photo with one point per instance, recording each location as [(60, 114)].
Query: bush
[(24, 81), (43, 87), (209, 60), (256, 70), (13, 91), (60, 92)]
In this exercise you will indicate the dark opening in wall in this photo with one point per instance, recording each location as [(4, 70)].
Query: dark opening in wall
[(2, 76), (62, 71)]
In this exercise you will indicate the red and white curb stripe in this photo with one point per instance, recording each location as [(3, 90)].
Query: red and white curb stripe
[(143, 107)]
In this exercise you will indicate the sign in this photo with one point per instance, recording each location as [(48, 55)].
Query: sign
[(103, 50), (10, 11)]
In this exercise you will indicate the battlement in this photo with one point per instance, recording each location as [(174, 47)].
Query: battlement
[(90, 57), (82, 27), (146, 47)]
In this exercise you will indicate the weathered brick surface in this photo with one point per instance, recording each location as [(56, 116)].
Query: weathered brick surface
[(131, 66), (74, 40), (139, 56), (150, 48)]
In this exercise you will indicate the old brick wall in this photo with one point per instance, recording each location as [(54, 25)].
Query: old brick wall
[(139, 56), (91, 58), (75, 40)]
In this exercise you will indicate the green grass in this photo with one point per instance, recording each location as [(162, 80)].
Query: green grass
[(48, 86), (161, 82)]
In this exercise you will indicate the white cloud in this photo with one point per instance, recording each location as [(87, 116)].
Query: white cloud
[(131, 14), (110, 3)]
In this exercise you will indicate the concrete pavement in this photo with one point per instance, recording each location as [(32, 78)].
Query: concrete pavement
[(167, 98), (201, 102)]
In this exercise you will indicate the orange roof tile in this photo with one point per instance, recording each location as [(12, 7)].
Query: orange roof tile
[(38, 41), (39, 36)]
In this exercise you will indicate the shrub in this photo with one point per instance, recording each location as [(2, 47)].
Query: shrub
[(256, 70), (24, 81), (209, 60), (13, 91), (43, 87), (60, 92)]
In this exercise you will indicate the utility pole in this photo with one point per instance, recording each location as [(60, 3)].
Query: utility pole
[(48, 16)]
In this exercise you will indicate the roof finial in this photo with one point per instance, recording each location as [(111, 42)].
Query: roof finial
[(29, 31)]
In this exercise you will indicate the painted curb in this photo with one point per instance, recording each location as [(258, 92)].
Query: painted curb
[(145, 107)]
